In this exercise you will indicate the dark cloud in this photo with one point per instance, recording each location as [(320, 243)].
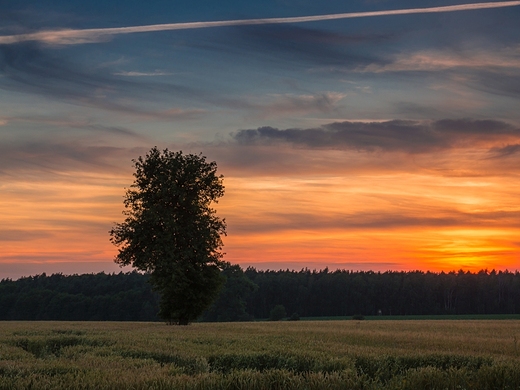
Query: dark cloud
[(474, 127), (296, 46), (310, 45), (53, 156), (30, 67), (69, 123), (505, 151), (47, 71), (404, 219), (497, 83), (392, 136)]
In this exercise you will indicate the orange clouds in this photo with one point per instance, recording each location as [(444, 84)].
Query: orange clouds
[(449, 207), (52, 221), (427, 179), (417, 220)]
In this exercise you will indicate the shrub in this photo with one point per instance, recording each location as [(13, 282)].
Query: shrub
[(277, 313)]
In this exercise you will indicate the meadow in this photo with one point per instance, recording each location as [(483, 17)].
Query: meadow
[(418, 354)]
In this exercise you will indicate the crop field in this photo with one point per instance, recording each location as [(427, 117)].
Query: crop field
[(419, 354)]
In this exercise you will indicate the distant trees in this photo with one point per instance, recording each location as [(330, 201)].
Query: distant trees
[(346, 293), (253, 294), (232, 300), (277, 313), (89, 297), (172, 233)]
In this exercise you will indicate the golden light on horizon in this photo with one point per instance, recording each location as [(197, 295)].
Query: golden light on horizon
[(423, 222), (362, 220)]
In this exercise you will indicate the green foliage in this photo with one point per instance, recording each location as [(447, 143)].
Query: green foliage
[(344, 293), (52, 346), (231, 302), (252, 294), (388, 367), (88, 297), (295, 362), (277, 313), (171, 231)]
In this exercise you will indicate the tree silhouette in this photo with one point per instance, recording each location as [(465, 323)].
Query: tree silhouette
[(172, 233)]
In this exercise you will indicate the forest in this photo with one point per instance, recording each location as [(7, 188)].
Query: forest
[(252, 294)]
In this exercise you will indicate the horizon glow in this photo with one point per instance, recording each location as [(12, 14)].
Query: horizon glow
[(427, 179)]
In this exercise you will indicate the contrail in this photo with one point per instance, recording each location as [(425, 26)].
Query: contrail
[(70, 37)]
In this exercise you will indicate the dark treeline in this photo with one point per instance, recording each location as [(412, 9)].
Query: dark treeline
[(347, 293), (252, 294), (89, 297)]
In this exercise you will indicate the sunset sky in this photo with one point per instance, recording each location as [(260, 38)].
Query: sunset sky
[(381, 137)]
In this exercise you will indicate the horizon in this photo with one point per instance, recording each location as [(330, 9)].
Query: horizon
[(267, 269), (374, 135)]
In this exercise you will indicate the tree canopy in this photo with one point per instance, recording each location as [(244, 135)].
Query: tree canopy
[(252, 294), (171, 231)]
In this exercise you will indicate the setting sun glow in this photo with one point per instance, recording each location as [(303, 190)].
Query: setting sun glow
[(427, 179)]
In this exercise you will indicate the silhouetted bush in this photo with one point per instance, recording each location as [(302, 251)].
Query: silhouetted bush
[(277, 313)]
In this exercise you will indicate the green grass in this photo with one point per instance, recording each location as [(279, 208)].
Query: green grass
[(418, 354)]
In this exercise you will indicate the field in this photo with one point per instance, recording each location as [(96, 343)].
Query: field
[(418, 354)]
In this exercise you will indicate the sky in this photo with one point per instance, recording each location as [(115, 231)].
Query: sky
[(361, 135)]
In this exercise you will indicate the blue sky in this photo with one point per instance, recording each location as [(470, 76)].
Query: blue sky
[(336, 108)]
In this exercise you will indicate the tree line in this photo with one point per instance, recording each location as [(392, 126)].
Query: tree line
[(253, 294), (347, 293), (88, 297)]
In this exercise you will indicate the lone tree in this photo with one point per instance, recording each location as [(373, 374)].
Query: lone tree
[(172, 233)]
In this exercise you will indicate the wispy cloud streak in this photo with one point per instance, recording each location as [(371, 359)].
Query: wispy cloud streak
[(70, 37)]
